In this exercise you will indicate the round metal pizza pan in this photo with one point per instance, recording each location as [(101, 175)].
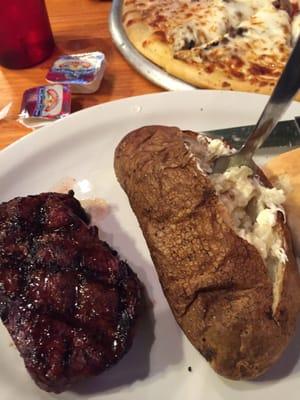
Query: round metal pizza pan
[(149, 70)]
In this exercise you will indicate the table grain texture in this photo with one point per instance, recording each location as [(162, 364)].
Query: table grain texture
[(78, 26)]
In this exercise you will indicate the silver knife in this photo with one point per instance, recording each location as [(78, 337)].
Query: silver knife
[(285, 134)]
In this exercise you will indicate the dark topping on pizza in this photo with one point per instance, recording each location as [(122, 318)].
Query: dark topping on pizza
[(237, 74), (233, 32), (276, 4), (236, 61), (188, 44), (257, 69), (225, 40), (185, 37), (216, 43), (295, 9), (284, 5)]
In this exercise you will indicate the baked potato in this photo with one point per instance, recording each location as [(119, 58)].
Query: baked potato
[(220, 245)]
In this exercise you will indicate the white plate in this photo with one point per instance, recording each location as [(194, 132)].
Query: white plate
[(82, 146)]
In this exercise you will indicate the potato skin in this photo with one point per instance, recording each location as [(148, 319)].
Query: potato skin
[(216, 283)]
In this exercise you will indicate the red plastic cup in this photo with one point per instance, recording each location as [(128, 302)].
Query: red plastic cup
[(25, 34)]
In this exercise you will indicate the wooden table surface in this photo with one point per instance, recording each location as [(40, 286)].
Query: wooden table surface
[(78, 26)]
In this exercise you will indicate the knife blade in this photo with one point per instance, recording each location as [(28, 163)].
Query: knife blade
[(285, 134)]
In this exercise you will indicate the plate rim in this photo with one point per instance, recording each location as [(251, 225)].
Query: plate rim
[(36, 137), (125, 100)]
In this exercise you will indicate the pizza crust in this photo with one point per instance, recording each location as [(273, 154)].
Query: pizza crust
[(159, 52), (154, 46)]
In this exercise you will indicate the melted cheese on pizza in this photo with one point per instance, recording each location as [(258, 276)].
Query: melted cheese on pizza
[(223, 43), (191, 23), (259, 46)]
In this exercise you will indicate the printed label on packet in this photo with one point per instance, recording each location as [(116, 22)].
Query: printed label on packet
[(45, 103), (49, 101), (83, 72), (72, 70)]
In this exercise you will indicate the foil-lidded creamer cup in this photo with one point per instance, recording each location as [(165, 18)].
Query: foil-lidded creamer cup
[(83, 72)]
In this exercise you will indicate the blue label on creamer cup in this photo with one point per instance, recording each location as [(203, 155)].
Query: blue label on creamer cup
[(49, 101), (77, 68)]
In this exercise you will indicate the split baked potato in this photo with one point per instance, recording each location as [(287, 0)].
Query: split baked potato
[(220, 245)]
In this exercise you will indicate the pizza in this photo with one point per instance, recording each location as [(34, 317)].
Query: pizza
[(217, 44)]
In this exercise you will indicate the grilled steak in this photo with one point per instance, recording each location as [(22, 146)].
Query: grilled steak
[(67, 300)]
